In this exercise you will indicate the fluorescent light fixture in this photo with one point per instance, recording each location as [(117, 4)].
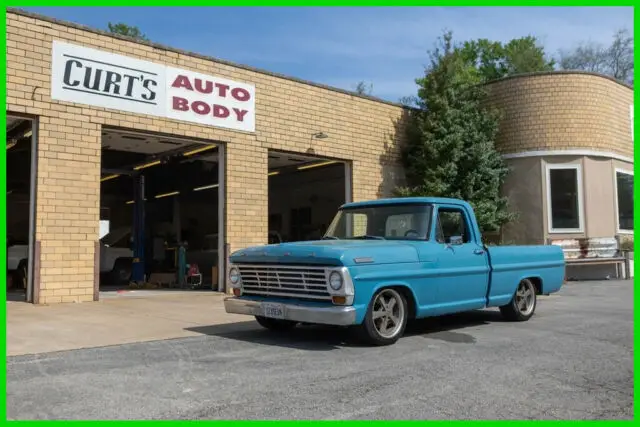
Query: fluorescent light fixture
[(28, 134), (316, 165), (206, 187), (199, 150), (130, 202), (11, 144), (173, 193), (107, 178), (274, 173), (147, 165)]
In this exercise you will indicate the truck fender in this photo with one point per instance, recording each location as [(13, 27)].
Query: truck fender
[(405, 289)]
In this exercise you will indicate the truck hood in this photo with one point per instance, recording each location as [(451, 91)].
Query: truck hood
[(330, 252)]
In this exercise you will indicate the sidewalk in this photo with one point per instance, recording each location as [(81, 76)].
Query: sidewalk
[(116, 319)]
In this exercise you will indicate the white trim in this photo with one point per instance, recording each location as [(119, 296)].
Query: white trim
[(578, 168), (631, 120), (615, 197), (589, 153)]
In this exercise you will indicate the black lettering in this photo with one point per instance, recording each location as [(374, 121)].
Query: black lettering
[(152, 94), (67, 72), (113, 79), (88, 75), (130, 80)]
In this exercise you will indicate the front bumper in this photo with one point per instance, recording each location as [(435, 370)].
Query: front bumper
[(337, 315)]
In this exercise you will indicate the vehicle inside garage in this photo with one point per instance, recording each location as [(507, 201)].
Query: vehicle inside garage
[(19, 205), (159, 216), (304, 194)]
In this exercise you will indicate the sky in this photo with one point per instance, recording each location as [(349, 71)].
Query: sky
[(386, 47)]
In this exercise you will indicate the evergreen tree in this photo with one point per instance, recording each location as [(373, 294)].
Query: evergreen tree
[(449, 150)]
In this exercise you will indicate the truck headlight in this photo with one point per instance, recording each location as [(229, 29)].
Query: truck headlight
[(234, 276), (335, 280)]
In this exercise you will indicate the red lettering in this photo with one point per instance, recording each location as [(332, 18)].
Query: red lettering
[(207, 89), (240, 94), (182, 82), (220, 111), (222, 89), (201, 108), (240, 114), (180, 104)]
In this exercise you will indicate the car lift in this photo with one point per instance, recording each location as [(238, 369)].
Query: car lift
[(138, 266)]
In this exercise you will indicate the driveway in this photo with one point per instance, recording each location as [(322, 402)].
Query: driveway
[(573, 360)]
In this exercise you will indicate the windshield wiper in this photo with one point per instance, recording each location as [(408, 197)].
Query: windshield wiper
[(370, 237)]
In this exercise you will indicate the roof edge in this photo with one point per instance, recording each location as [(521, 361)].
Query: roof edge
[(560, 72), (154, 45)]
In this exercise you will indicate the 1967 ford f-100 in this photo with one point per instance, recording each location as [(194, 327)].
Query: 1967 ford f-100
[(385, 262)]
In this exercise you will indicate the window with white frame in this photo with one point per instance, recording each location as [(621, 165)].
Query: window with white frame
[(624, 200), (564, 198)]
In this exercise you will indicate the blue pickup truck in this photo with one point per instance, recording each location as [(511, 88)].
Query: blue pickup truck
[(383, 263)]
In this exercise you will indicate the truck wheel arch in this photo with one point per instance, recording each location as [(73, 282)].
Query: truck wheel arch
[(407, 293), (537, 283)]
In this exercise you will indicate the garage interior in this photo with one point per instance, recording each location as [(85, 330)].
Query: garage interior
[(304, 195), (160, 211), (19, 220)]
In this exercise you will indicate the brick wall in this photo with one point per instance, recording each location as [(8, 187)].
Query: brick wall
[(563, 111), (287, 113)]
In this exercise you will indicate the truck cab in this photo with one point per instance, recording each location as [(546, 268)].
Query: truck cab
[(385, 262)]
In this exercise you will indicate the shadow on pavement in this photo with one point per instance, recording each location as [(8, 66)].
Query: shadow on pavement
[(326, 338)]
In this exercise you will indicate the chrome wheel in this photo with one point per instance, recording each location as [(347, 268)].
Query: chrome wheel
[(388, 313), (525, 298)]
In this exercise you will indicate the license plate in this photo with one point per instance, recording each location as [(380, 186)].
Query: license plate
[(275, 311)]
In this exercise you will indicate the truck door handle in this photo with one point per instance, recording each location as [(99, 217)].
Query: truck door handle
[(478, 252)]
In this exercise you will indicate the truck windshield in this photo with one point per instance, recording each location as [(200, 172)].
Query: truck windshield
[(388, 222)]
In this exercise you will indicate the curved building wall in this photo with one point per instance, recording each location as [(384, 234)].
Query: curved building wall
[(563, 111), (557, 120)]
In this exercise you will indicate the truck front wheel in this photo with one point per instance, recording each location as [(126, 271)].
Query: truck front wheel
[(386, 318), (275, 324), (523, 303)]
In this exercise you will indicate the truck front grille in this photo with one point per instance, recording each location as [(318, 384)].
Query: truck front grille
[(284, 281)]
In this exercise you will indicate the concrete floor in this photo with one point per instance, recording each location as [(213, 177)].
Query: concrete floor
[(118, 318), (572, 360)]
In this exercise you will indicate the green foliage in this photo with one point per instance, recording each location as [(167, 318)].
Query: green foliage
[(495, 60), (449, 150), (127, 30)]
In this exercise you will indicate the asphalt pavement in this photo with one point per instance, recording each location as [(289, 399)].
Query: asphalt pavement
[(572, 360)]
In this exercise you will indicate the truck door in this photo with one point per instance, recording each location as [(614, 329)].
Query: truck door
[(461, 262)]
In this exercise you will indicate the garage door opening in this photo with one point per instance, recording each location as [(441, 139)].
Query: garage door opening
[(20, 212), (304, 194), (160, 212)]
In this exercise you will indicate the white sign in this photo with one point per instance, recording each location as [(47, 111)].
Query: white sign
[(102, 79)]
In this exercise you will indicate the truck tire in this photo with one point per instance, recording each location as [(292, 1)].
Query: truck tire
[(275, 324), (121, 273), (523, 304), (386, 318)]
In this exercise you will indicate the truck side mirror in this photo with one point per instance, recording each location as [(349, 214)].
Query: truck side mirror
[(456, 240)]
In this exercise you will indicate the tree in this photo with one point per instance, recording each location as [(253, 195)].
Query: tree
[(495, 60), (449, 149), (615, 60), (126, 30), (363, 89)]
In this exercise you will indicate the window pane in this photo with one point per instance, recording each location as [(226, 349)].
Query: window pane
[(564, 199), (451, 223), (625, 200)]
